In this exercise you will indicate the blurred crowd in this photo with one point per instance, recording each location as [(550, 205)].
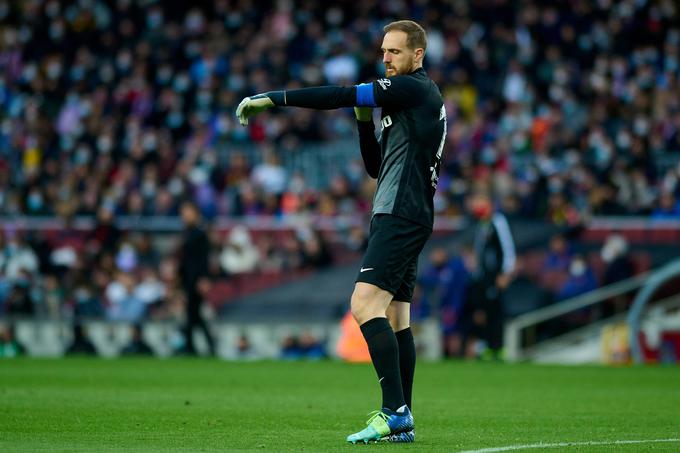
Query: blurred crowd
[(133, 277), (563, 271), (564, 109)]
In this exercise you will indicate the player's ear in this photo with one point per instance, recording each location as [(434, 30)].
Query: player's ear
[(419, 55)]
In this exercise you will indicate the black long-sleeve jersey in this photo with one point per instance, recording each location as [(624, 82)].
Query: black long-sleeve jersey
[(413, 131)]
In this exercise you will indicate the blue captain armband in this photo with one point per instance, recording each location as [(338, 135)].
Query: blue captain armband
[(365, 97)]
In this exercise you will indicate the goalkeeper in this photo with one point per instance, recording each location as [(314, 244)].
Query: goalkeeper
[(405, 160)]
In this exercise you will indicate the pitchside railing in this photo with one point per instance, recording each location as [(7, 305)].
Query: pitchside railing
[(526, 324), (655, 281)]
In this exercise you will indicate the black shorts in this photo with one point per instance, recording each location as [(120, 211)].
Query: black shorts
[(391, 259)]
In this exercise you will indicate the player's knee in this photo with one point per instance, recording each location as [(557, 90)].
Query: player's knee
[(368, 302), (363, 306), (359, 308), (398, 314), (397, 324)]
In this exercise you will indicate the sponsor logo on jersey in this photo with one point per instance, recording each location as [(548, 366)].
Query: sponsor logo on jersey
[(384, 83)]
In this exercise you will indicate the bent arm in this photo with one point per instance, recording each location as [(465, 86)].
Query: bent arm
[(370, 148)]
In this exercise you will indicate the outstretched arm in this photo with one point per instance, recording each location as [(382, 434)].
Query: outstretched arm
[(396, 92), (320, 98)]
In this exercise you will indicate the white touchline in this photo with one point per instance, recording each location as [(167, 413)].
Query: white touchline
[(570, 444)]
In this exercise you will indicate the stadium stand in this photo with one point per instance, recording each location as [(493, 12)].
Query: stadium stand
[(111, 113)]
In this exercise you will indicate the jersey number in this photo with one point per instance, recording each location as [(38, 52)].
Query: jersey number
[(385, 122)]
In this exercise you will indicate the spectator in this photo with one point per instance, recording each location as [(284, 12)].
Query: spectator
[(315, 251), (106, 234), (581, 280), (269, 175), (81, 345), (431, 284), (239, 255), (21, 299), (63, 258), (357, 239), (126, 257), (147, 255), (270, 256), (443, 286), (453, 302), (244, 348), (668, 207), (87, 302), (124, 303), (17, 260), (559, 255), (290, 348), (9, 346), (137, 345), (618, 265), (150, 290), (55, 297), (311, 348)]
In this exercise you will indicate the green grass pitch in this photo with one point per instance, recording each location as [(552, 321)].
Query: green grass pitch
[(148, 405)]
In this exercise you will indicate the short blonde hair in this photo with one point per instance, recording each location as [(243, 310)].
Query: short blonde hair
[(416, 38)]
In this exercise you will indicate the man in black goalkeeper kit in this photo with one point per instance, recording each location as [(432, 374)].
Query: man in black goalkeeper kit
[(405, 160)]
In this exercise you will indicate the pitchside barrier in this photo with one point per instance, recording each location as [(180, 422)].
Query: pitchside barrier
[(50, 338), (662, 286)]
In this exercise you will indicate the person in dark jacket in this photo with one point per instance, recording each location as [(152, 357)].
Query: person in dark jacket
[(193, 274), (495, 256)]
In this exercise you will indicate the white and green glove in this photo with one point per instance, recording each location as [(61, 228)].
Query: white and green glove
[(252, 105), (363, 113)]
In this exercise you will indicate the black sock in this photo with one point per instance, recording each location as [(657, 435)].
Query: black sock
[(407, 362), (382, 344)]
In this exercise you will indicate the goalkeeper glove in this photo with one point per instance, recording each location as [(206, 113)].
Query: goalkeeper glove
[(252, 105), (363, 113)]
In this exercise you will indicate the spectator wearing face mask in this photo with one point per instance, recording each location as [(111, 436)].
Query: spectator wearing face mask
[(581, 279)]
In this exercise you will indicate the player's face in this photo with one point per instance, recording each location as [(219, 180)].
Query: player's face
[(397, 57)]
